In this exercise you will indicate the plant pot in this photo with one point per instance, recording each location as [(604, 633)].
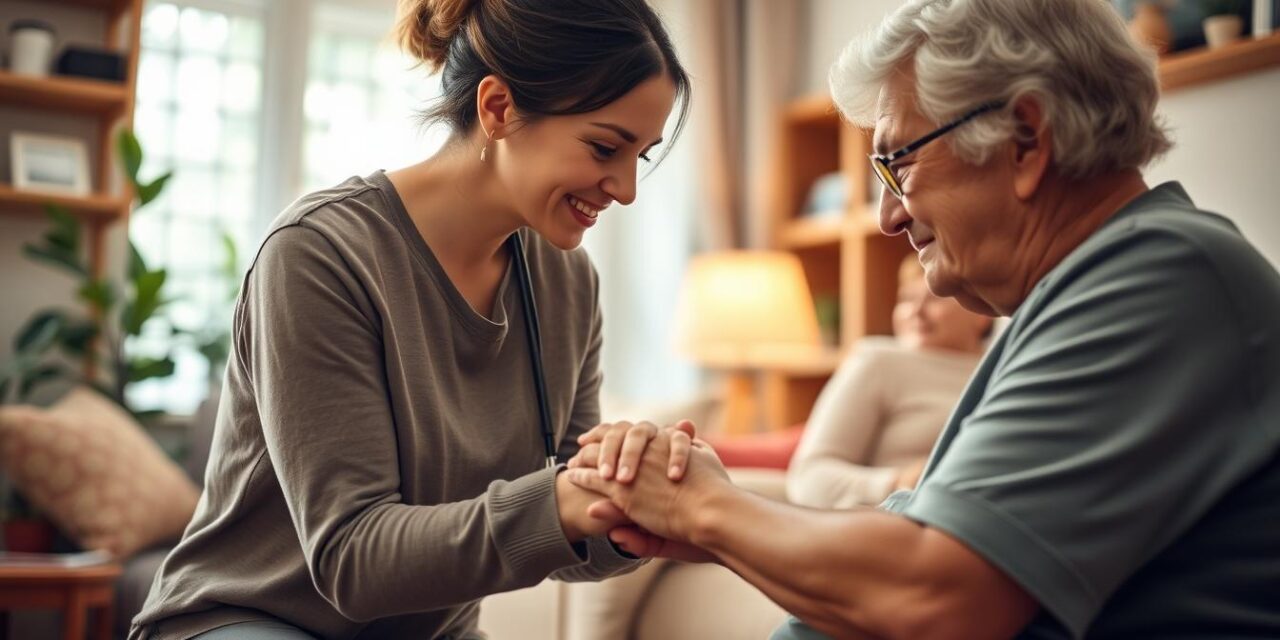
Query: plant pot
[(28, 535), (1150, 27), (1220, 31)]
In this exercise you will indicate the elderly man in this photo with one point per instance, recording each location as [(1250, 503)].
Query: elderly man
[(1112, 469)]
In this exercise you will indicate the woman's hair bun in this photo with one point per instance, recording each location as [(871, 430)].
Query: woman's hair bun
[(425, 28)]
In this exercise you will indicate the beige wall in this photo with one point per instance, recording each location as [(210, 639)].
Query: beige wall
[(1227, 133)]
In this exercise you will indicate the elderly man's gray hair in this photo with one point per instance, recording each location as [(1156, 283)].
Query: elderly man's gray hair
[(1097, 87)]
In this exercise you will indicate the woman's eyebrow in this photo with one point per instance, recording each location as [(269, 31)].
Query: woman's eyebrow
[(626, 135)]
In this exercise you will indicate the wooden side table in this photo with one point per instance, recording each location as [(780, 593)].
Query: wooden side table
[(74, 590)]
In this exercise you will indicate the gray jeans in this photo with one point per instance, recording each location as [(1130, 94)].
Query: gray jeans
[(256, 630)]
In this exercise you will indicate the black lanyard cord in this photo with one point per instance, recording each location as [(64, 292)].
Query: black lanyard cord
[(528, 306)]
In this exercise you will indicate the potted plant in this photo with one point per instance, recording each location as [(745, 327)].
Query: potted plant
[(1223, 23), (95, 338), (98, 337)]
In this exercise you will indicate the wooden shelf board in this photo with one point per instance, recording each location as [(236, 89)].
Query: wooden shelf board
[(1202, 66), (76, 95), (113, 5), (96, 207), (810, 232)]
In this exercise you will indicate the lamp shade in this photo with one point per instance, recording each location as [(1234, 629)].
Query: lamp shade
[(746, 309)]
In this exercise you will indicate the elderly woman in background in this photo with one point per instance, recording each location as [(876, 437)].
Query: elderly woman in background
[(1112, 469), (879, 416)]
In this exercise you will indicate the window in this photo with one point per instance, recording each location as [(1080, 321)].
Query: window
[(199, 114), (361, 95)]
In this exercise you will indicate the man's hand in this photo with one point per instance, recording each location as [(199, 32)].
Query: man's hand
[(618, 447), (584, 513), (641, 543), (661, 506)]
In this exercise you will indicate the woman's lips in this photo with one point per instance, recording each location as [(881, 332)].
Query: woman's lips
[(587, 221)]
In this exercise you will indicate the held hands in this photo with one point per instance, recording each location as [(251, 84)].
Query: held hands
[(618, 446), (585, 513), (657, 504)]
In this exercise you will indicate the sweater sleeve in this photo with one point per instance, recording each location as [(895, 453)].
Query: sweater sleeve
[(314, 352), (830, 468), (603, 559)]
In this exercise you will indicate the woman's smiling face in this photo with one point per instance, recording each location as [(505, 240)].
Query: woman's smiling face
[(562, 171)]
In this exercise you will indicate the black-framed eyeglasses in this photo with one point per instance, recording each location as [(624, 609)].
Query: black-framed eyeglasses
[(881, 163)]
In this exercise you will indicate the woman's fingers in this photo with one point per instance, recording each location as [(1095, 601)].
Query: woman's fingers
[(594, 434), (610, 447), (678, 460), (633, 446)]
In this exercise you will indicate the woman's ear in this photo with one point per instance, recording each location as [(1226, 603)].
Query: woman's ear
[(1032, 147), (495, 107)]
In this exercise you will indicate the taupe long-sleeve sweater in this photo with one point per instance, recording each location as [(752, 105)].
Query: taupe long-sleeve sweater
[(377, 465)]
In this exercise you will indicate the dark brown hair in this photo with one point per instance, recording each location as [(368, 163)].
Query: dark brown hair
[(558, 57)]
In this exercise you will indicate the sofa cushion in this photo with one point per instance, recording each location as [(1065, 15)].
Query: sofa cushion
[(88, 466), (772, 450)]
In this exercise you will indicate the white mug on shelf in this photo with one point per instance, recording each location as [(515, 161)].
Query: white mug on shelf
[(30, 47)]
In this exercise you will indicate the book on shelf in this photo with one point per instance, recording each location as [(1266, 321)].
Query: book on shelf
[(79, 559)]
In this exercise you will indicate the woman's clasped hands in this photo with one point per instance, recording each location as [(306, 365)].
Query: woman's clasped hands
[(657, 476)]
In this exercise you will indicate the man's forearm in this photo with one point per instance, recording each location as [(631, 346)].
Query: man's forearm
[(845, 573)]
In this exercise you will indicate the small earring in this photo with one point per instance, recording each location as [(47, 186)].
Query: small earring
[(484, 152)]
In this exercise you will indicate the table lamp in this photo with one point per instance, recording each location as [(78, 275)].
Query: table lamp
[(741, 312)]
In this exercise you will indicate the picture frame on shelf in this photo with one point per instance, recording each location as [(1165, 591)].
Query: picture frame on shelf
[(49, 163)]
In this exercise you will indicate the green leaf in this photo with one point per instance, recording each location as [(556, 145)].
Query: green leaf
[(148, 192), (230, 265), (77, 336), (39, 332), (61, 246), (144, 417), (147, 368), (145, 303), (131, 154), (65, 230), (57, 257), (137, 266), (99, 294), (39, 376)]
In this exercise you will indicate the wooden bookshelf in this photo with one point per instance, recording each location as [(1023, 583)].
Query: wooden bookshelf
[(1201, 66), (72, 95), (108, 104), (99, 208)]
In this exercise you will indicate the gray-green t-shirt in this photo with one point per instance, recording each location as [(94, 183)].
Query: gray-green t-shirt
[(1116, 452)]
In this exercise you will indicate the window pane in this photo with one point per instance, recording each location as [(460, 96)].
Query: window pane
[(199, 115), (361, 103), (204, 31), (241, 87), (159, 26)]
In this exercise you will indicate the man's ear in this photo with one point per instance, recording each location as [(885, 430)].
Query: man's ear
[(495, 107), (1032, 147)]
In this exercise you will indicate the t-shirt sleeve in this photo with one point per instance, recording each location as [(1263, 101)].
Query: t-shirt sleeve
[(1116, 420)]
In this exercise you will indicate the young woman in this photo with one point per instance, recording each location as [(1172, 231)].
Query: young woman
[(415, 350)]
